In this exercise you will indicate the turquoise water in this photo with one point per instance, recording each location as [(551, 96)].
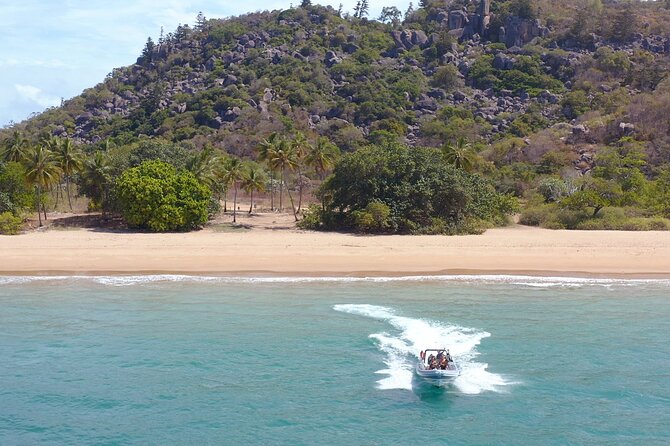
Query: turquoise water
[(176, 360)]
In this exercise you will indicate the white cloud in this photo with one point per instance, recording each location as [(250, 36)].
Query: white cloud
[(34, 94)]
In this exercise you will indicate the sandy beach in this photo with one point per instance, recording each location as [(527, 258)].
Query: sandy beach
[(269, 246)]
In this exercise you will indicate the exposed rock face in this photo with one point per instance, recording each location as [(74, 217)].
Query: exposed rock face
[(408, 39), (518, 31), (469, 26)]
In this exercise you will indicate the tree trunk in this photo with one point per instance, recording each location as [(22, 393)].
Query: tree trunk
[(299, 190), (39, 203), (44, 209), (225, 200), (272, 190), (52, 192), (235, 204), (295, 214), (281, 191), (67, 188), (252, 201)]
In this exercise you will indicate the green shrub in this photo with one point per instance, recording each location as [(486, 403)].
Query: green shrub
[(374, 218), (10, 224), (157, 197)]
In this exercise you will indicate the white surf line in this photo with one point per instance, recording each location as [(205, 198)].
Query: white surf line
[(528, 281)]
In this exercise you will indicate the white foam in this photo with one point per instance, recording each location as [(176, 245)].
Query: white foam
[(402, 349), (527, 281)]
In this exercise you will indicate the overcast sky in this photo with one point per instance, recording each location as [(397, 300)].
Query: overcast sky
[(53, 49)]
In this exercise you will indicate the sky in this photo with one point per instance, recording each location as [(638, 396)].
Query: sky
[(53, 49)]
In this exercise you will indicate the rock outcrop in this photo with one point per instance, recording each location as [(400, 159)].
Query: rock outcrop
[(518, 31)]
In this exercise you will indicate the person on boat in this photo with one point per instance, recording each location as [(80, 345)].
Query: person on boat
[(431, 362), (444, 363)]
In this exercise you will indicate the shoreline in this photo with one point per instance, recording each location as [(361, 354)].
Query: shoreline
[(287, 252), (447, 275)]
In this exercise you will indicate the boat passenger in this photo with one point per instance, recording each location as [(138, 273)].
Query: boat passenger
[(431, 362)]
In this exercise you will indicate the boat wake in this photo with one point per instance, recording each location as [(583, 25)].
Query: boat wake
[(402, 349)]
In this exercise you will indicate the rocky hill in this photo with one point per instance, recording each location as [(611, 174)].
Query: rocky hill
[(484, 70)]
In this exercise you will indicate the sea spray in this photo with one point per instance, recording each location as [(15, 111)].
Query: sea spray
[(402, 349)]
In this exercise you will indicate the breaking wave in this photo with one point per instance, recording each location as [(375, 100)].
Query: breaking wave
[(526, 281)]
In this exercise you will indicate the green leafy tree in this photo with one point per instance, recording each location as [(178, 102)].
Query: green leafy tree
[(204, 166), (322, 156), (16, 149), (233, 176), (253, 180), (302, 147), (158, 197), (285, 159), (459, 154), (266, 152), (95, 180), (42, 172), (15, 195), (390, 14), (596, 194), (422, 192), (70, 160)]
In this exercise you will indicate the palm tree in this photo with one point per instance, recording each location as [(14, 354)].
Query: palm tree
[(70, 160), (266, 151), (234, 174), (322, 156), (204, 165), (41, 171), (95, 177), (460, 155), (17, 148), (253, 181), (302, 147), (284, 159)]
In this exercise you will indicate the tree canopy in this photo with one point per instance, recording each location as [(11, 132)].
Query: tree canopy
[(158, 197), (422, 192)]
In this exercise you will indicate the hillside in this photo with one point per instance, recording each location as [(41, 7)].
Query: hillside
[(539, 90)]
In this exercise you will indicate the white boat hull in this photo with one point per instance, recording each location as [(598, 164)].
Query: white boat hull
[(438, 376)]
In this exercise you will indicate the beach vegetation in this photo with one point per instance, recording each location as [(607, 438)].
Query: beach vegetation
[(15, 194), (42, 172), (407, 190), (10, 224), (158, 197)]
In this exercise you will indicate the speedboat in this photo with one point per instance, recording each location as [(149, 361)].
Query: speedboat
[(437, 374)]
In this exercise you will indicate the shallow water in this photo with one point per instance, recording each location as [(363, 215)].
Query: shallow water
[(179, 360)]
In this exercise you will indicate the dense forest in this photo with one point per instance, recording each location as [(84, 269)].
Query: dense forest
[(444, 118)]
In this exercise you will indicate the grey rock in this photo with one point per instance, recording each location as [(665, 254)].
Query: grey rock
[(83, 118), (459, 96), (579, 130), (229, 80), (59, 131), (626, 128), (350, 48), (518, 31), (331, 58), (501, 61), (457, 20)]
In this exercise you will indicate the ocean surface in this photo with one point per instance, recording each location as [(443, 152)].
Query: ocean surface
[(165, 360)]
